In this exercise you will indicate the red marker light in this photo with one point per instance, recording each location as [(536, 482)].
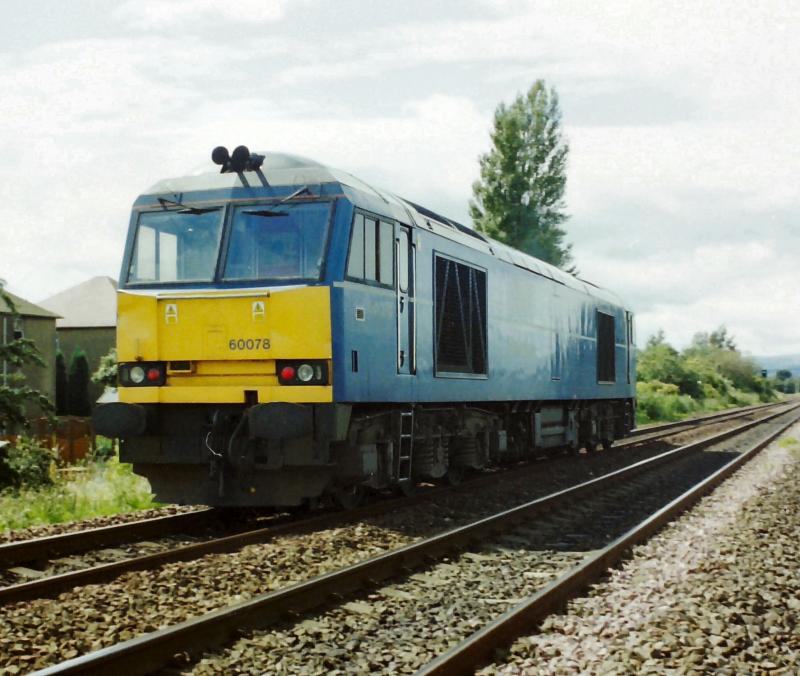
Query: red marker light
[(153, 375), (287, 373)]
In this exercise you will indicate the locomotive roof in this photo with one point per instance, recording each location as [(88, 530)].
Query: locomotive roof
[(283, 169)]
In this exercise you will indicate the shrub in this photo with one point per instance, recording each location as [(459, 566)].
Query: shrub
[(657, 401), (104, 449), (106, 373), (61, 384), (14, 393), (26, 462), (710, 375), (99, 489), (78, 385)]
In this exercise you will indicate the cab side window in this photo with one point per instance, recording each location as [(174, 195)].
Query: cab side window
[(371, 256), (355, 261), (370, 250)]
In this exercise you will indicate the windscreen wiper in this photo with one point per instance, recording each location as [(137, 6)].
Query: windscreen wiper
[(269, 214), (302, 191), (265, 212), (186, 210)]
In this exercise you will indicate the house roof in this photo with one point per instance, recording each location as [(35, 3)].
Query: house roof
[(91, 304), (25, 308)]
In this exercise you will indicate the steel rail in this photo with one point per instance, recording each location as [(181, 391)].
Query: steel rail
[(105, 536), (641, 434), (56, 584), (479, 648), (156, 650)]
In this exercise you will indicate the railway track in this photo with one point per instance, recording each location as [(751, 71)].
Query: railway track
[(479, 647), (91, 572), (43, 548), (665, 429), (532, 523)]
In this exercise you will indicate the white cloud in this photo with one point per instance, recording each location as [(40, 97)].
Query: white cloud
[(748, 287), (169, 14), (426, 149)]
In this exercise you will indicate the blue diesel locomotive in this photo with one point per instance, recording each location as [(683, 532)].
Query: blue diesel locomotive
[(287, 331)]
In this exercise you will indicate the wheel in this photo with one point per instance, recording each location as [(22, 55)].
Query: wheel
[(607, 444), (590, 444), (408, 487), (454, 476), (350, 497)]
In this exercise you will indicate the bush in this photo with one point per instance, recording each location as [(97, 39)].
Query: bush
[(99, 489), (106, 373), (104, 449), (14, 393), (27, 463), (61, 384), (657, 401), (78, 385), (710, 375)]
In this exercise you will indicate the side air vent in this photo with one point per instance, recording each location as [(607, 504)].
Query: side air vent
[(460, 315)]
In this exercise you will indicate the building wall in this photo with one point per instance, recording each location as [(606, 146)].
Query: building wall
[(42, 331), (95, 342)]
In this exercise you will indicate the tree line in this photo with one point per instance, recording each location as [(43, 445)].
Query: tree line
[(710, 374), (784, 381)]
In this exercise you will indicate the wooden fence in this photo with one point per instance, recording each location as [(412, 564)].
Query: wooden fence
[(73, 436)]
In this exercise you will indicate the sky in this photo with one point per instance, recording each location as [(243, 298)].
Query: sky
[(683, 121)]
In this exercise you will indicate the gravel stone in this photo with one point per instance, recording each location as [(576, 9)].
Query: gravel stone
[(402, 626), (716, 591)]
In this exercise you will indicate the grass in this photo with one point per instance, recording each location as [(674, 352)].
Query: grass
[(792, 445), (662, 402), (94, 489)]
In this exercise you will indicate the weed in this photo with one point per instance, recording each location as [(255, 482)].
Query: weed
[(94, 489)]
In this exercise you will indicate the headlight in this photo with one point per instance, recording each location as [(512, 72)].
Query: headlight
[(302, 372), (305, 373), (142, 374)]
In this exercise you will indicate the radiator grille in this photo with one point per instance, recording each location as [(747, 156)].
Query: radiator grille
[(460, 318)]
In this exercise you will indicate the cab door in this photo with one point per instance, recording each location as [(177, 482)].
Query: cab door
[(629, 345), (406, 306)]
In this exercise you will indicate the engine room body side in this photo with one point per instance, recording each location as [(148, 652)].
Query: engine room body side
[(541, 338)]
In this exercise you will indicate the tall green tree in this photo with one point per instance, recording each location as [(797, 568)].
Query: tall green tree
[(14, 393), (61, 384), (78, 384), (518, 199)]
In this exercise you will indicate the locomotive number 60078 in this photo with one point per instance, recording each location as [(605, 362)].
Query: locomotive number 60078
[(248, 344)]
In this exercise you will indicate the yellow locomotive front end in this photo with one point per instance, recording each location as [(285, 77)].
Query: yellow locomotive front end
[(225, 347), (223, 394)]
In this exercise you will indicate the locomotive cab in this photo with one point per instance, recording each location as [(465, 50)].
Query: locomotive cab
[(224, 344)]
